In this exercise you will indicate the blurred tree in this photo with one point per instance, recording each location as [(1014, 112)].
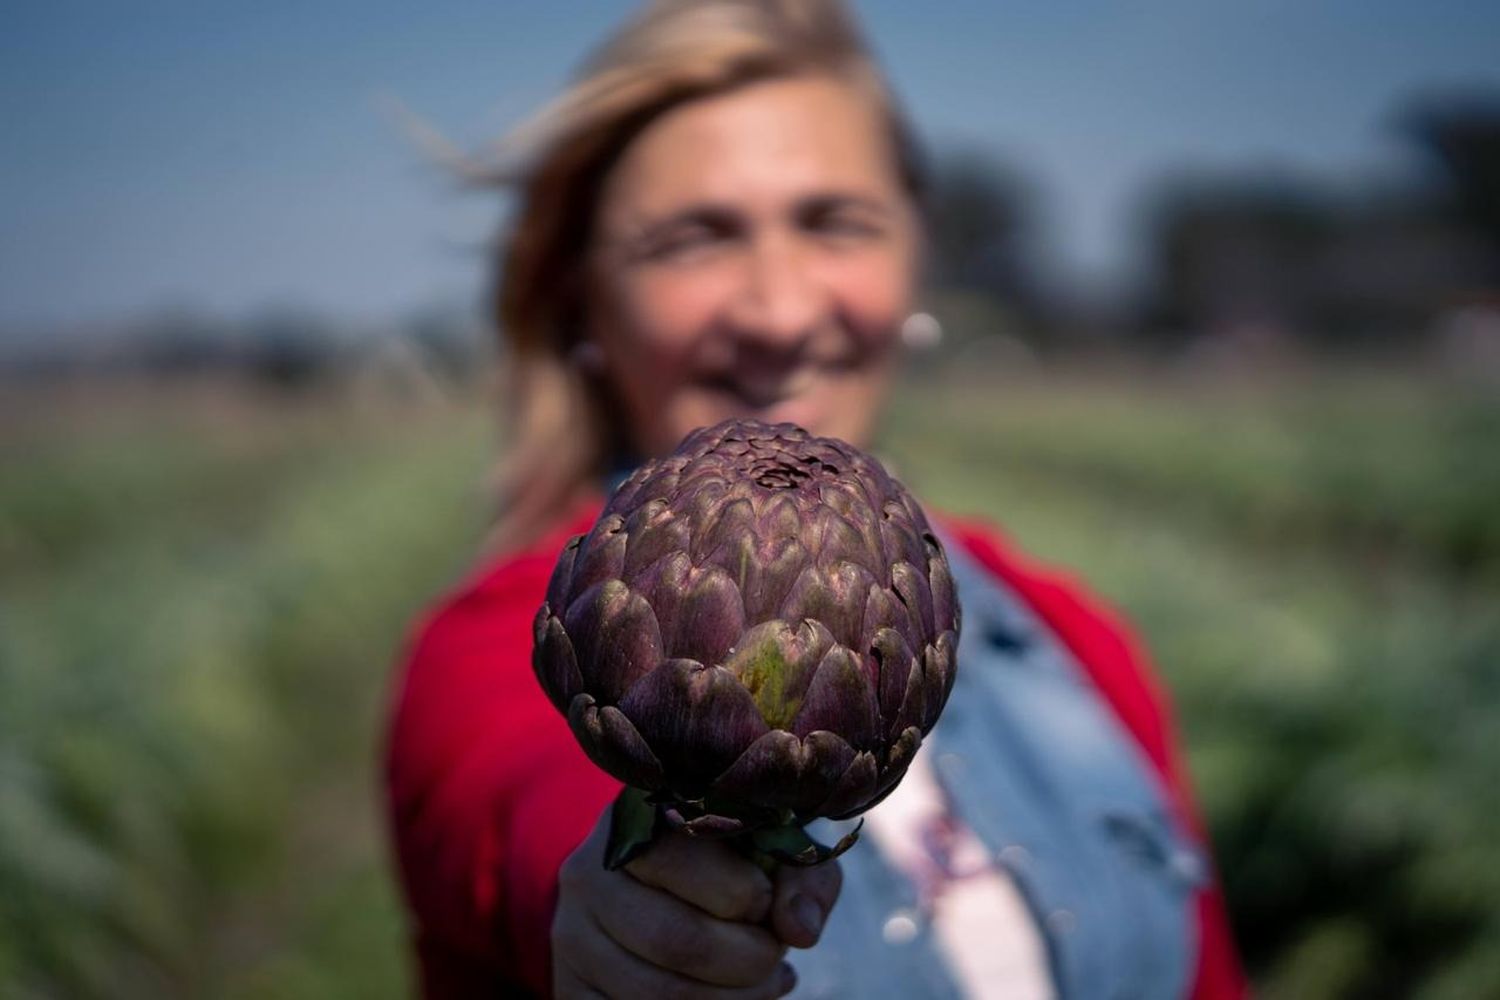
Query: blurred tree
[(176, 341), (981, 234), (1260, 259), (449, 340), (1462, 135), (289, 349), (1232, 254)]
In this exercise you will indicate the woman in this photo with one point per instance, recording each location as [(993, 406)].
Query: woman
[(721, 218)]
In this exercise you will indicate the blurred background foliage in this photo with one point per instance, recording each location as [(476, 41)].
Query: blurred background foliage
[(1275, 452), (205, 584)]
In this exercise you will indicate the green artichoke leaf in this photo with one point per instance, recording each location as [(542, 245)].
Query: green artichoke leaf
[(792, 845), (632, 827)]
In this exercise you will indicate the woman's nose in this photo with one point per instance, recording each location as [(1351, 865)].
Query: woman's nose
[(781, 302)]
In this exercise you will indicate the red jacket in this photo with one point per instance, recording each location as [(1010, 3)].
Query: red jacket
[(488, 792)]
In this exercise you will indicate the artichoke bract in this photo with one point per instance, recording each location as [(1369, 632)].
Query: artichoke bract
[(758, 631)]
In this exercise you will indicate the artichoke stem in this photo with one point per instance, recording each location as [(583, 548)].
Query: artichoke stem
[(637, 821)]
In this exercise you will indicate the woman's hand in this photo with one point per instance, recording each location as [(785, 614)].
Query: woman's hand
[(689, 918)]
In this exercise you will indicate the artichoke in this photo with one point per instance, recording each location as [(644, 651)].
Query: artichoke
[(758, 631)]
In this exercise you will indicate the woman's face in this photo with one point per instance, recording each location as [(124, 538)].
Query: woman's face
[(754, 255)]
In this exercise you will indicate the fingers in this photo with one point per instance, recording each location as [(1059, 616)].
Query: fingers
[(597, 965), (707, 873), (616, 935), (802, 900), (670, 933), (566, 984)]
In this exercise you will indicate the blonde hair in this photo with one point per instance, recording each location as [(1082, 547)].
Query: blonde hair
[(562, 428)]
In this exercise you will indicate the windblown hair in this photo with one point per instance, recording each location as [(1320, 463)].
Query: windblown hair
[(563, 423)]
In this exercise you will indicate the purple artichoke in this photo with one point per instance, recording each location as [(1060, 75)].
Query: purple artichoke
[(758, 631)]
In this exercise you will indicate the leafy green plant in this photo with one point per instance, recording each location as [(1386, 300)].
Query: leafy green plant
[(199, 613)]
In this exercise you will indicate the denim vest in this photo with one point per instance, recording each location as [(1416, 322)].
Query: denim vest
[(1044, 773)]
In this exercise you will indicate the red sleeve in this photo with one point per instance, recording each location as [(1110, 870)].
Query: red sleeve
[(1117, 664), (488, 792)]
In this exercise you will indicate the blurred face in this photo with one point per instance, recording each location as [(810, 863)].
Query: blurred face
[(754, 255)]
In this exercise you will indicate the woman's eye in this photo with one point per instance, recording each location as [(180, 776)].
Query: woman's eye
[(845, 226), (682, 243)]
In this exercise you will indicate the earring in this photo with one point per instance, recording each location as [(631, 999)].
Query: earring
[(921, 331), (587, 357)]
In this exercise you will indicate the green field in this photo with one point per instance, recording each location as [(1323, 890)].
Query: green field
[(202, 591)]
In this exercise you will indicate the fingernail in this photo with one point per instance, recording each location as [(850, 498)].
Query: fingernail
[(808, 913), (788, 978)]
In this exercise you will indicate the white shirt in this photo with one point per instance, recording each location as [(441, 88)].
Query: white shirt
[(976, 914)]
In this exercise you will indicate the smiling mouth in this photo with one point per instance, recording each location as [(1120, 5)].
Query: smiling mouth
[(759, 394)]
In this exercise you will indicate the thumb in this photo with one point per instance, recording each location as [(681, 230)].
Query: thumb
[(803, 899)]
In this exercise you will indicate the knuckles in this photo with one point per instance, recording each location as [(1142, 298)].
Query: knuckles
[(749, 898), (685, 866), (687, 942), (682, 943)]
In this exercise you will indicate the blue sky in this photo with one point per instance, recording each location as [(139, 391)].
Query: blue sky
[(231, 157)]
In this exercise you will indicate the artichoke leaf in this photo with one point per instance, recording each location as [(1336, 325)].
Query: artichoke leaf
[(633, 823), (790, 844)]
